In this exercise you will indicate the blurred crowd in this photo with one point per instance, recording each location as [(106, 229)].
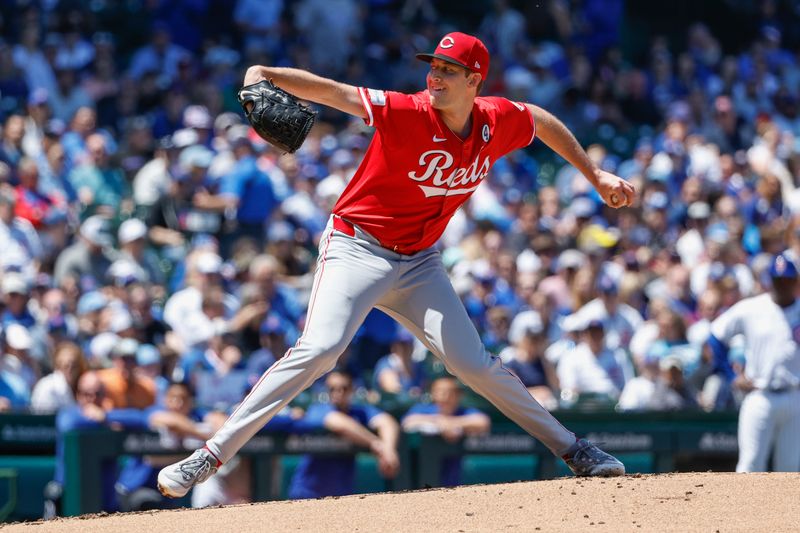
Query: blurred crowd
[(157, 256)]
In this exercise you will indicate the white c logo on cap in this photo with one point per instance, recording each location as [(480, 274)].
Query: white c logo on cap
[(447, 42)]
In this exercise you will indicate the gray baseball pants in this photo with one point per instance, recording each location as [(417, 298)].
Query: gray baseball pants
[(354, 274)]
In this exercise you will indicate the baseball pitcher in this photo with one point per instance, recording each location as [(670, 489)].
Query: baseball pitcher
[(430, 151)]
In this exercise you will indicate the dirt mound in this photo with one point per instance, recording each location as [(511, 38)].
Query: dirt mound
[(666, 502)]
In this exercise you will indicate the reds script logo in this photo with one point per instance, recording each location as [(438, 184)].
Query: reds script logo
[(459, 181)]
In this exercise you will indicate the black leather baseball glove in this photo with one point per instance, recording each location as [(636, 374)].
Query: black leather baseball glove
[(276, 115)]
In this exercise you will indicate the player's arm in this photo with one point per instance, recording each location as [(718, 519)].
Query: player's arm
[(308, 86), (471, 424), (723, 329), (389, 432), (414, 421), (177, 423), (387, 429), (558, 138), (347, 427)]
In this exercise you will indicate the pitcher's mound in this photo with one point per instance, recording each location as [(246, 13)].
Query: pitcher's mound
[(705, 502)]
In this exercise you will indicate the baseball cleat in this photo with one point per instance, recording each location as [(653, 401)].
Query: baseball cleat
[(175, 480), (586, 459)]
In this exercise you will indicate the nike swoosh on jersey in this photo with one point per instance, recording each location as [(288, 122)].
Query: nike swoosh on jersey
[(439, 139)]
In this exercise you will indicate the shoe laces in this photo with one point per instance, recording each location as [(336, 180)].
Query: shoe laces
[(590, 453), (195, 468)]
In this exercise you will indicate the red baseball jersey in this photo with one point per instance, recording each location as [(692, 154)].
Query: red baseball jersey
[(417, 173)]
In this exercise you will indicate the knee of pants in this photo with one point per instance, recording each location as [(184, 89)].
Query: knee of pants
[(471, 370), (322, 352)]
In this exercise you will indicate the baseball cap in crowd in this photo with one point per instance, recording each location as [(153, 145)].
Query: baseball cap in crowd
[(18, 337), (204, 241), (184, 137), (122, 272), (525, 323), (197, 116), (280, 231), (661, 167), (482, 272), (14, 283), (38, 96), (463, 50), (125, 348), (131, 230), (528, 261), (239, 135), (698, 211), (272, 324), (226, 120), (570, 258), (582, 207), (101, 345), (95, 230), (783, 266), (717, 271), (607, 284), (718, 233), (55, 127), (121, 320), (147, 354), (208, 263), (91, 301), (195, 156), (657, 200)]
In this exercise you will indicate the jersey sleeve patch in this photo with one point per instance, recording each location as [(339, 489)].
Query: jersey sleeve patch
[(377, 97)]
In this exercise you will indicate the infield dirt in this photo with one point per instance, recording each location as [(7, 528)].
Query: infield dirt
[(706, 502)]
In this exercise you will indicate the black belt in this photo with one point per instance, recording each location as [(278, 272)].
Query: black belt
[(347, 228)]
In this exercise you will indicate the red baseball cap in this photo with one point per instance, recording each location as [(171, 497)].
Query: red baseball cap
[(462, 50)]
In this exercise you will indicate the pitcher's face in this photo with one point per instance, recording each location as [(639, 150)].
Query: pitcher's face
[(449, 84)]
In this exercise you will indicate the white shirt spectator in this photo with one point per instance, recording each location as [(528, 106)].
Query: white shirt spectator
[(151, 182), (620, 326), (51, 393), (743, 275), (580, 371), (637, 394)]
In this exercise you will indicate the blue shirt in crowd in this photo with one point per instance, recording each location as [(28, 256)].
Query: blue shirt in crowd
[(318, 476), (450, 472), (253, 189)]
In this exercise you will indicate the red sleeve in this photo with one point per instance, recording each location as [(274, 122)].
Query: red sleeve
[(515, 123), (380, 105)]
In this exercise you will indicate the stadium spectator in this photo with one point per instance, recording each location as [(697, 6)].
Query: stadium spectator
[(57, 389), (318, 476), (398, 372), (132, 239), (592, 367), (88, 259), (124, 386), (100, 185), (446, 416), (91, 410), (526, 359)]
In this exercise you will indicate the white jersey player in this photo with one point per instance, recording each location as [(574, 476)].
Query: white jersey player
[(769, 420)]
